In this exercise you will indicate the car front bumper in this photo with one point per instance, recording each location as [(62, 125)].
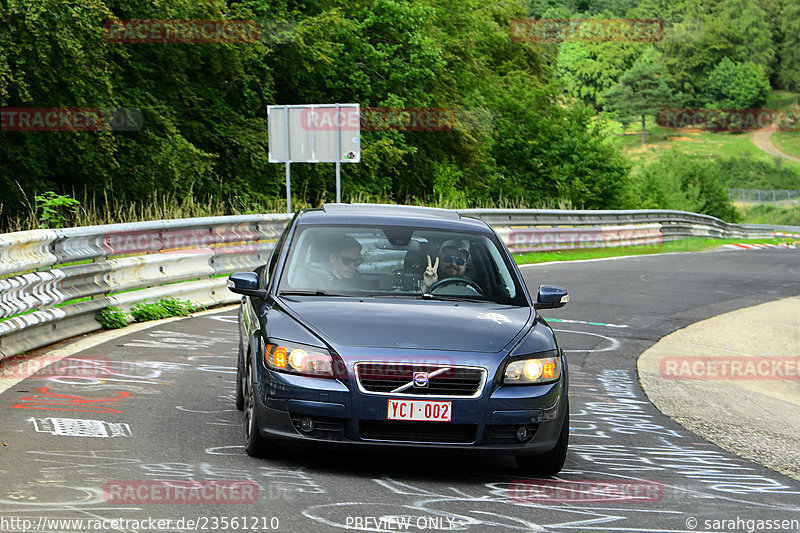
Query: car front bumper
[(345, 416)]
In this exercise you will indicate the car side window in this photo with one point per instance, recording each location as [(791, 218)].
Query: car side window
[(269, 273)]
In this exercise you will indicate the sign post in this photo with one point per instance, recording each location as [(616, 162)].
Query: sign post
[(314, 133)]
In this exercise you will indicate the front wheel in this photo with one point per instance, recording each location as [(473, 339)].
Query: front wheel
[(550, 463), (240, 386), (254, 443)]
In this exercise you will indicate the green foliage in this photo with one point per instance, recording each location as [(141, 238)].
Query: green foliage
[(680, 181), (555, 152), (750, 31), (203, 104), (112, 318), (164, 308), (53, 209), (641, 91), (747, 173), (142, 312), (699, 35), (769, 214), (590, 69), (446, 181), (789, 73), (564, 8), (204, 135), (177, 307), (736, 86)]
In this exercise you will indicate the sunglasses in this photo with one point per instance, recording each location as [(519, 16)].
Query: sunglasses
[(460, 261), (351, 260)]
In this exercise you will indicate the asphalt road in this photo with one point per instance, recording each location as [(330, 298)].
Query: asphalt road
[(157, 404)]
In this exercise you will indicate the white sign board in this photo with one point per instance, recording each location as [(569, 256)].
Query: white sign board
[(323, 133)]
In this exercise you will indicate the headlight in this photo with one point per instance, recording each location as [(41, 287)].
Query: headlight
[(532, 371), (299, 359)]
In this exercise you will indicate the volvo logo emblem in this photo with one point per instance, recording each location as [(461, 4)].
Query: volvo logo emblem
[(421, 379)]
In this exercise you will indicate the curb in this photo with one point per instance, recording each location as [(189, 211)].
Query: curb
[(753, 414)]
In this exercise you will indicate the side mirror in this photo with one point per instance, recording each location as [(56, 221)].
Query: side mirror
[(245, 283), (551, 297)]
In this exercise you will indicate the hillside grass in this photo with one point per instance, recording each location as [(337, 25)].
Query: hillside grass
[(787, 142), (690, 141), (768, 214)]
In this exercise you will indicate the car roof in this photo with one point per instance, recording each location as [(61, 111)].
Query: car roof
[(391, 215)]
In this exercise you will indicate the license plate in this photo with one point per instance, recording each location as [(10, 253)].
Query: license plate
[(419, 410)]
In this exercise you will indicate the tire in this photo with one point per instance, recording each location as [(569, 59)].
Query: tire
[(240, 381), (254, 443), (549, 463)]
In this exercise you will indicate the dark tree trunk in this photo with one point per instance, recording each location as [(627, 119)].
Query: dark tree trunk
[(644, 132)]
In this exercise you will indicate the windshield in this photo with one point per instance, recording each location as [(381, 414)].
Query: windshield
[(392, 261)]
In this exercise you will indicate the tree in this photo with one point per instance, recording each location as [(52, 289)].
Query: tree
[(698, 34), (590, 69), (789, 75), (546, 152), (204, 104), (641, 91), (751, 27), (736, 86)]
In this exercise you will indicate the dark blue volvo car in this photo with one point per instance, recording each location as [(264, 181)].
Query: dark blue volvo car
[(392, 326)]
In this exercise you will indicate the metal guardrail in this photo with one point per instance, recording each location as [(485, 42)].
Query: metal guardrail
[(56, 281), (186, 254)]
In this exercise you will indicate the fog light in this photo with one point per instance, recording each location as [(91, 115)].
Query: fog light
[(522, 434), (307, 424)]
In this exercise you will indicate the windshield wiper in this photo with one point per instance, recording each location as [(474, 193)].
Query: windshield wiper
[(317, 292), (450, 298), (393, 295)]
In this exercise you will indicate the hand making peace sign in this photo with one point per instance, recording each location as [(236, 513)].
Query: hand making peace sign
[(430, 276)]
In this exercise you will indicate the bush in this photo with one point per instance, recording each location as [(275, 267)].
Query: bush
[(53, 209), (166, 307), (680, 181), (142, 312), (113, 318), (177, 307), (736, 86), (748, 173)]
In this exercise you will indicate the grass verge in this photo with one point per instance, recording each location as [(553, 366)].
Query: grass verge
[(684, 245), (695, 142), (769, 214), (787, 142)]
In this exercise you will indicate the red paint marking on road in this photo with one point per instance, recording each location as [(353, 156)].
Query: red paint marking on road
[(66, 402)]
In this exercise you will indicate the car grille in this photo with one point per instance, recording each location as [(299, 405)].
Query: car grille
[(417, 431), (384, 378)]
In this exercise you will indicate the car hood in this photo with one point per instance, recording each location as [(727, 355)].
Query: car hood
[(416, 324)]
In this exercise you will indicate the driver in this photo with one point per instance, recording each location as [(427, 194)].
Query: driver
[(450, 263)]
